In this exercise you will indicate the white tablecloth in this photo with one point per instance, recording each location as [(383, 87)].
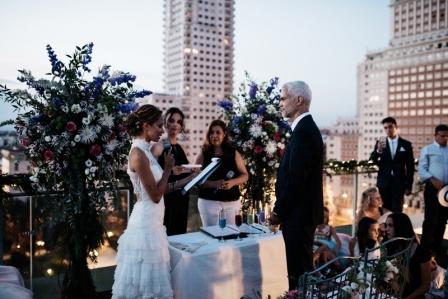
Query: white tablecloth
[(228, 270)]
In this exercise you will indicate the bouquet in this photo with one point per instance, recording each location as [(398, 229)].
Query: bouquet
[(258, 131)]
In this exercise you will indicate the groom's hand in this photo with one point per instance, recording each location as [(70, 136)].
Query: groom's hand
[(274, 219)]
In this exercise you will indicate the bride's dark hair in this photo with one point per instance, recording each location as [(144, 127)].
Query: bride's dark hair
[(144, 114)]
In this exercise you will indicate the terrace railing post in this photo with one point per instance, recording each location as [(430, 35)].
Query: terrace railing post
[(354, 200)]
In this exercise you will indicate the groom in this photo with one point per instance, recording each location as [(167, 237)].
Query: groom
[(299, 204)]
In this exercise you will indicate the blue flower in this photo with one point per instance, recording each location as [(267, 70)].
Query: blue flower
[(56, 65), (261, 109), (57, 102), (128, 107), (121, 78), (283, 124), (104, 72), (139, 94), (253, 90), (87, 56), (36, 118), (225, 104), (236, 121)]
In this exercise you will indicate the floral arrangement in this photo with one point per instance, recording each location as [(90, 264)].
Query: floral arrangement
[(259, 132), (292, 294), (72, 128), (356, 282)]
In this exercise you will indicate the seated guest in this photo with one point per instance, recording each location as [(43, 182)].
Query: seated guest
[(221, 190), (366, 238), (326, 241), (371, 205), (419, 282)]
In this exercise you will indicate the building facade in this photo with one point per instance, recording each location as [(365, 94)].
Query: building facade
[(198, 62)]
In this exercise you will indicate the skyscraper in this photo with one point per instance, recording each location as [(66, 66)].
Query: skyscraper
[(198, 62), (409, 79)]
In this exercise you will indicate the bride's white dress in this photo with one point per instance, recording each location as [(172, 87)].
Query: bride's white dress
[(143, 261)]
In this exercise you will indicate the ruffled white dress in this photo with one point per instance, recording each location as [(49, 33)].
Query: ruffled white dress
[(143, 261)]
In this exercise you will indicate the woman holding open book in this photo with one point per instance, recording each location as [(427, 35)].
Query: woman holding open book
[(220, 191)]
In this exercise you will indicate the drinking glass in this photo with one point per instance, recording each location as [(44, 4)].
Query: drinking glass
[(262, 218), (222, 223), (238, 223)]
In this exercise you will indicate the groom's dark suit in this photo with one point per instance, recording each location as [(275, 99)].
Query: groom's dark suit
[(299, 195), (395, 175)]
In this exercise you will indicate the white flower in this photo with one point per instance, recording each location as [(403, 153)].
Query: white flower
[(287, 135), (354, 285), (255, 131), (107, 120), (65, 109), (388, 264), (76, 108), (34, 178), (87, 171), (87, 134), (73, 144), (277, 165), (111, 145), (86, 120), (271, 147), (347, 289), (89, 163), (271, 109), (77, 138), (93, 169), (47, 138)]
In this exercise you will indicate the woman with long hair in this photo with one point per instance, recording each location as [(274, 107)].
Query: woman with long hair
[(220, 191), (366, 238), (176, 203), (399, 225)]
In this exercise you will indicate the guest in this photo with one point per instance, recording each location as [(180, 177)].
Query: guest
[(371, 205), (299, 205), (367, 237), (399, 225), (433, 170), (220, 191), (395, 160), (143, 260), (326, 241), (176, 204)]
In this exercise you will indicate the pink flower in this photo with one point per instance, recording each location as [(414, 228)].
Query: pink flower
[(48, 155), (70, 127), (112, 135), (258, 149), (277, 136), (25, 142), (95, 150)]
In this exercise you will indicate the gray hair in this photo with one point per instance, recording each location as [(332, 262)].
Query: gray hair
[(298, 89)]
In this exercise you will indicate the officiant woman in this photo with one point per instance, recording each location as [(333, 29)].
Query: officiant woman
[(176, 204), (220, 191)]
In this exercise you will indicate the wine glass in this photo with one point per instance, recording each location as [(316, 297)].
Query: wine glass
[(238, 223), (222, 223), (262, 218)]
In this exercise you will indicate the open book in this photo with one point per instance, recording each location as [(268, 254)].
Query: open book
[(203, 176)]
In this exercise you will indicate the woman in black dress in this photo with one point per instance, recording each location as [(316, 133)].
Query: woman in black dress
[(176, 204)]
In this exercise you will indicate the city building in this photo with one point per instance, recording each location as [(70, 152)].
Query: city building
[(341, 143), (408, 80), (198, 62)]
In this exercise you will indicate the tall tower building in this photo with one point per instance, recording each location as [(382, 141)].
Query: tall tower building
[(408, 80), (198, 62)]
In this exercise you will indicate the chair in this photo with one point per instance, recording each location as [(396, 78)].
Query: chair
[(395, 252), (326, 282)]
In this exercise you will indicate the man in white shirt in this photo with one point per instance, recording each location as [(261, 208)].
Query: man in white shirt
[(395, 160), (433, 170)]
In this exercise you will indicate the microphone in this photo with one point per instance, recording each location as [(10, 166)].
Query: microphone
[(229, 175)]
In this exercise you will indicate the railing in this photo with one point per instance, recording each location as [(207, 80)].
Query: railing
[(29, 240)]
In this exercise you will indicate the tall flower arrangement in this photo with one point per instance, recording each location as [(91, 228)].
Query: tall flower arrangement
[(259, 132), (72, 128)]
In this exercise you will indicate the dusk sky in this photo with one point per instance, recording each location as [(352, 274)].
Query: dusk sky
[(318, 41)]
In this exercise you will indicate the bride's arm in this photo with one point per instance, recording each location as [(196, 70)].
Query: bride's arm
[(139, 163)]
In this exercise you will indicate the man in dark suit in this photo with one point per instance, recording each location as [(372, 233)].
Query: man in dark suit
[(395, 160), (299, 204)]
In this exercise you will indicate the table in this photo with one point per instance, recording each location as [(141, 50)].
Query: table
[(255, 267)]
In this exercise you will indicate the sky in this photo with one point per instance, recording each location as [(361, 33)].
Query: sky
[(318, 41)]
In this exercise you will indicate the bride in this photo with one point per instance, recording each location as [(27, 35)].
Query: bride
[(143, 261)]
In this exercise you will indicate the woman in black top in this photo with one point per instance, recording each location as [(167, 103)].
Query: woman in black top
[(399, 225), (220, 191), (176, 204)]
